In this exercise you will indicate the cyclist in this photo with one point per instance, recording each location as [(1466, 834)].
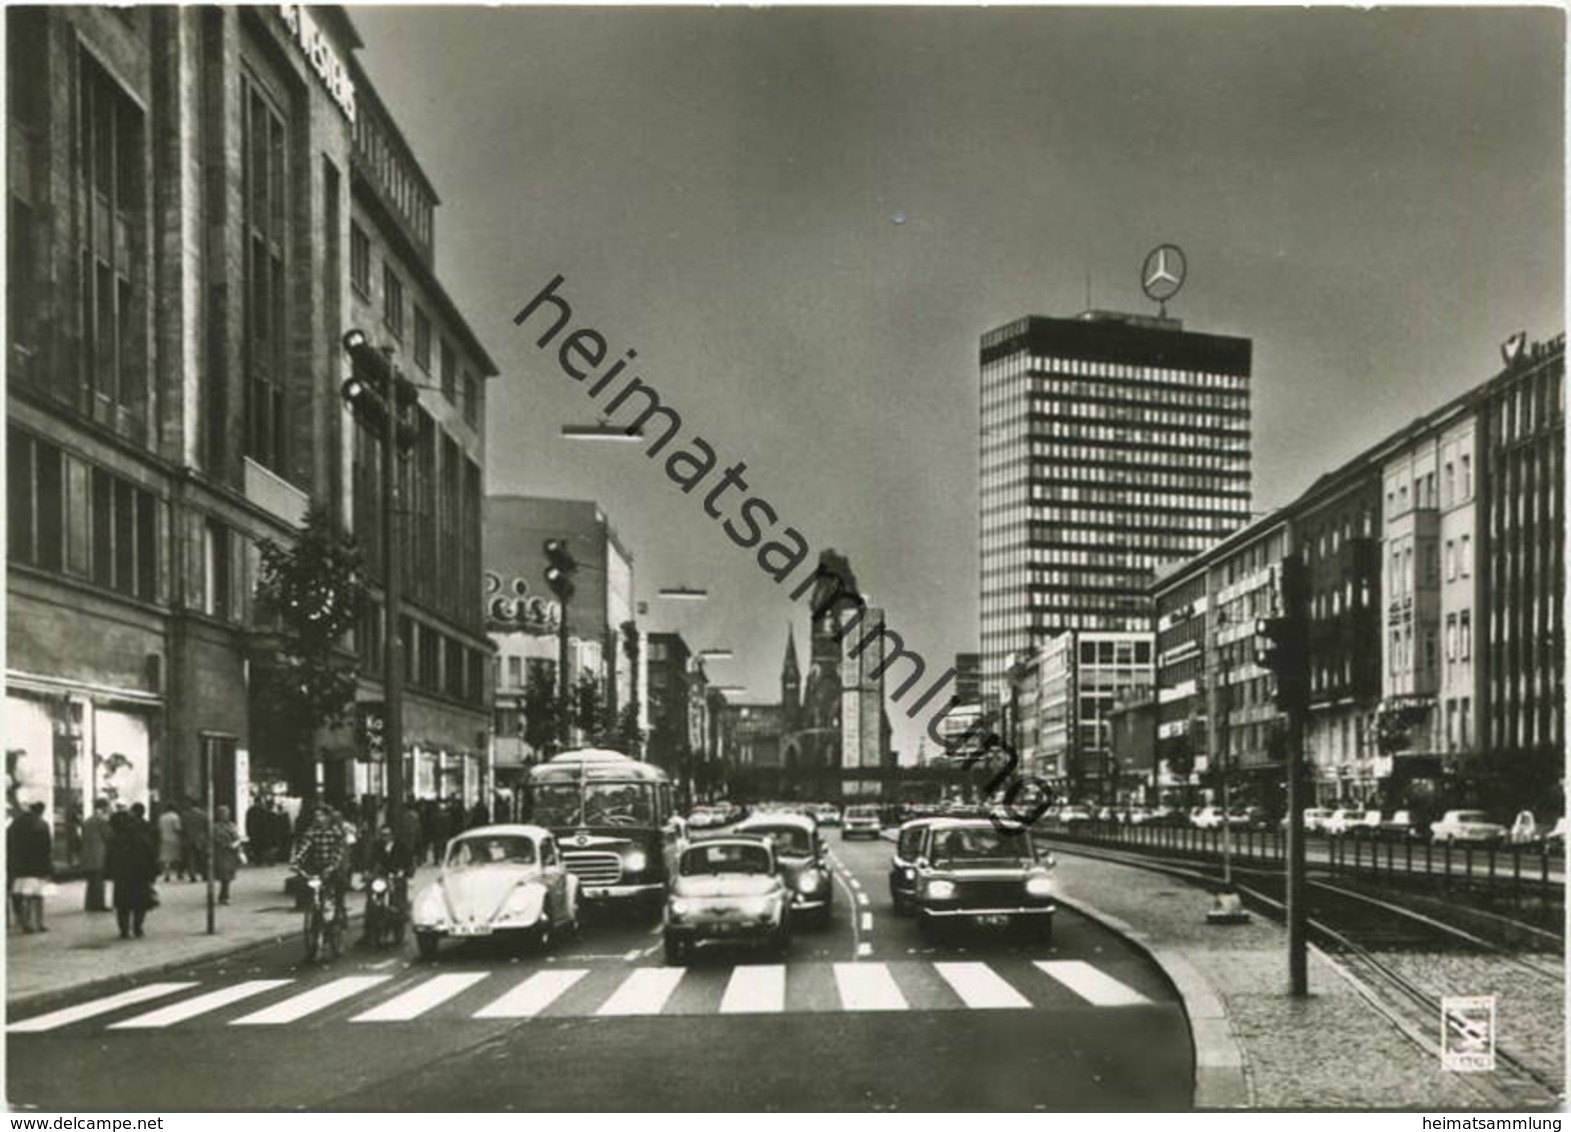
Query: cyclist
[(323, 852), (393, 861)]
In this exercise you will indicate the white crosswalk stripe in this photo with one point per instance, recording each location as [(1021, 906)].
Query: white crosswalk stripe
[(417, 1000), (201, 1004), (532, 995), (755, 990), (620, 991), (868, 986), (1090, 984), (83, 1011), (296, 1007), (980, 987), (643, 992)]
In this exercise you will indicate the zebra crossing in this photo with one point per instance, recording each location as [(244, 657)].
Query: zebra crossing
[(606, 992)]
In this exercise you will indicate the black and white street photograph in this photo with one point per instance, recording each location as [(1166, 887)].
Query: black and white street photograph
[(785, 559)]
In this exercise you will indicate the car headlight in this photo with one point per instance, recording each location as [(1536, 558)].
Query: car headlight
[(678, 908), (941, 889), (1039, 885), (428, 909), (635, 861), (810, 880), (908, 874), (378, 885)]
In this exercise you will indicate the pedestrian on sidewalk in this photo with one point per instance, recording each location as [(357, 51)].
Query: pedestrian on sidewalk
[(133, 864), (171, 842), (95, 843), (193, 820), (258, 831), (226, 852), (30, 862)]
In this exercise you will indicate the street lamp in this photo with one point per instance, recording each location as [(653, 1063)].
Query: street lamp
[(1228, 909), (683, 593), (604, 431), (716, 654)]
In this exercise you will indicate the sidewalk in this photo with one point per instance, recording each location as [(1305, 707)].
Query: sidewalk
[(81, 948), (1255, 1045)]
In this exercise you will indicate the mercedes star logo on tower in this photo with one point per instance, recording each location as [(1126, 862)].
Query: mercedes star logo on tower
[(1163, 273)]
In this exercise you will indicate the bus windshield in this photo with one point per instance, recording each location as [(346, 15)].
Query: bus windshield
[(564, 804)]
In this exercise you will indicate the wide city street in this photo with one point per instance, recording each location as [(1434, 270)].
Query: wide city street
[(864, 1015)]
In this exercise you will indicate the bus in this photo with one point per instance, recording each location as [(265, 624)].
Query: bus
[(615, 819)]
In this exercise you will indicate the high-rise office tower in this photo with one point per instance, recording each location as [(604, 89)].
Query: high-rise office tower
[(1112, 446)]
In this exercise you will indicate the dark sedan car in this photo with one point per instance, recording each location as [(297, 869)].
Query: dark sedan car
[(968, 873), (803, 864)]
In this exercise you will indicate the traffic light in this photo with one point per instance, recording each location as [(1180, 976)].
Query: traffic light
[(560, 566), (376, 389), (1282, 642)]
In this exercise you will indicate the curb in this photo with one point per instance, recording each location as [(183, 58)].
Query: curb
[(36, 1000), (1220, 1079)]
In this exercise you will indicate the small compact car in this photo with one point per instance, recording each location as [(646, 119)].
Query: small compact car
[(970, 873), (1071, 816), (1467, 825), (1206, 817), (801, 861), (827, 815), (498, 879), (902, 870), (860, 821), (727, 889)]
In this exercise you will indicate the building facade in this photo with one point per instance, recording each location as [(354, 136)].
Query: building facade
[(182, 188), (1112, 446)]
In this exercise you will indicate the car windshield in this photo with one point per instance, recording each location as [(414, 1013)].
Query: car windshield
[(500, 849), (561, 804), (721, 859), (957, 846), (789, 840), (862, 812), (1472, 816)]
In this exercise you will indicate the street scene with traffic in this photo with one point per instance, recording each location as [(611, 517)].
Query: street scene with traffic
[(804, 559)]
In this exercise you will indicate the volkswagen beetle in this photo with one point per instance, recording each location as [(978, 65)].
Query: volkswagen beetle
[(498, 879), (802, 861)]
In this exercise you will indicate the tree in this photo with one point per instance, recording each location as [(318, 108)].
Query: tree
[(542, 708), (591, 713), (312, 592)]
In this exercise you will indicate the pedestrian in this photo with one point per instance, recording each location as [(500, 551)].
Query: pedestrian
[(258, 830), (133, 863), (283, 833), (226, 852), (194, 822), (95, 842), (30, 864), (479, 815), (407, 831), (441, 830), (171, 841)]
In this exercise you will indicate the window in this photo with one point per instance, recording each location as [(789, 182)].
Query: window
[(515, 671), (1450, 560), (471, 398), (109, 144), (1467, 477), (1451, 636), (1450, 483), (1465, 557), (264, 180), (219, 588), (1465, 630), (449, 373), (359, 260), (422, 340), (393, 301)]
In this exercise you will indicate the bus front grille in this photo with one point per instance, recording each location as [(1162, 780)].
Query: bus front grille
[(594, 868)]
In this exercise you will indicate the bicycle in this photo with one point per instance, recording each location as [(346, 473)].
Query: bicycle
[(324, 922)]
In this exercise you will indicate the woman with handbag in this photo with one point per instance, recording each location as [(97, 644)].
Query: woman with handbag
[(132, 863), (226, 852)]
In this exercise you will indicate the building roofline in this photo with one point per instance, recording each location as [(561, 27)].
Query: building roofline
[(415, 262)]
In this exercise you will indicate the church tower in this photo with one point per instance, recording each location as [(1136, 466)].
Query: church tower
[(790, 685)]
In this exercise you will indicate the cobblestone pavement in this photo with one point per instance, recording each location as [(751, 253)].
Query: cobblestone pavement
[(1529, 1009), (1331, 1050)]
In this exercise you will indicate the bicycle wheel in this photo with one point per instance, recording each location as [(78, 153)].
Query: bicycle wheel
[(335, 935), (313, 934)]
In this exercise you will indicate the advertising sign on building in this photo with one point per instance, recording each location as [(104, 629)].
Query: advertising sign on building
[(511, 608), (370, 725)]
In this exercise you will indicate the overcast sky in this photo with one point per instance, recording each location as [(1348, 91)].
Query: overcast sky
[(803, 220)]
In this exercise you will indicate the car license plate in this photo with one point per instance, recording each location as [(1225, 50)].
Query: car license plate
[(596, 893), (471, 929), (993, 921)]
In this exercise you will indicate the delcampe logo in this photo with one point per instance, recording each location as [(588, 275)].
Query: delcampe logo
[(1467, 1033)]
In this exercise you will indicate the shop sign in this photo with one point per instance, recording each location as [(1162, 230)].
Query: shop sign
[(313, 44), (511, 608)]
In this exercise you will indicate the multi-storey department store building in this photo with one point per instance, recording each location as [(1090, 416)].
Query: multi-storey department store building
[(202, 201)]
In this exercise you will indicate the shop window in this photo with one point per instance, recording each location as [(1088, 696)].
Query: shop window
[(359, 260)]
